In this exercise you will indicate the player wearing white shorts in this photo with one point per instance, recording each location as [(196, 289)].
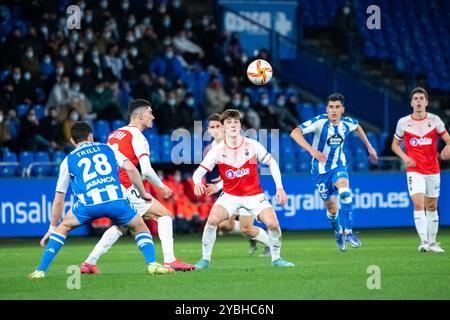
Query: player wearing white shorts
[(237, 159), (130, 141), (419, 131), (245, 223)]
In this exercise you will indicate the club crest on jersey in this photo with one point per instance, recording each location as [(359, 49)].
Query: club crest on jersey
[(231, 174), (335, 140), (420, 142), (246, 152)]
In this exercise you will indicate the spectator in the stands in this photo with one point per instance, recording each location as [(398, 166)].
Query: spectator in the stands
[(30, 62), (51, 128), (169, 66), (266, 112), (291, 105), (30, 137), (285, 119), (190, 51), (215, 97), (168, 114), (47, 67), (73, 116), (101, 100), (60, 93)]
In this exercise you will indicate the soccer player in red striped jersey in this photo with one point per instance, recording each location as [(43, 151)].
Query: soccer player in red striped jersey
[(237, 159), (130, 141), (420, 131)]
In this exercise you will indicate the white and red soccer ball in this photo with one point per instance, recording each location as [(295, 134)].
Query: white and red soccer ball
[(259, 72)]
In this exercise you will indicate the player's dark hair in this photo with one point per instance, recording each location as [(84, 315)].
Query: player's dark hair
[(136, 104), (214, 117), (80, 131), (418, 90), (336, 97), (230, 114)]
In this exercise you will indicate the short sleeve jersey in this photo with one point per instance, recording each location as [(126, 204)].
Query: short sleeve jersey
[(238, 167), (328, 139), (420, 137), (132, 144), (92, 172)]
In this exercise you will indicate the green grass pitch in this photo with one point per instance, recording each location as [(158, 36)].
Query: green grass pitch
[(321, 271)]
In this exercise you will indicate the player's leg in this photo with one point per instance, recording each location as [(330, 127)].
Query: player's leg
[(218, 214), (333, 217), (144, 241), (107, 240), (417, 188), (157, 211), (345, 196), (255, 233), (230, 225), (269, 218), (431, 205), (55, 242)]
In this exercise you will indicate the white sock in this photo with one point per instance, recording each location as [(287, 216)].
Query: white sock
[(106, 242), (236, 227), (262, 237), (420, 220), (432, 226), (275, 244), (165, 232), (208, 239)]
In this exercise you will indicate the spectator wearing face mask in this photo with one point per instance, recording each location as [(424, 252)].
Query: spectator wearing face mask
[(30, 137), (177, 12), (101, 100), (72, 117), (215, 97), (6, 139), (47, 67), (66, 58), (60, 94), (168, 66), (285, 119), (113, 62), (190, 51), (96, 64), (266, 112), (28, 88), (150, 44), (163, 23), (51, 128), (188, 112), (168, 115), (30, 62)]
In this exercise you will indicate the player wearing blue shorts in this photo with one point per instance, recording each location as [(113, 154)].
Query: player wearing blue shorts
[(92, 171), (329, 170)]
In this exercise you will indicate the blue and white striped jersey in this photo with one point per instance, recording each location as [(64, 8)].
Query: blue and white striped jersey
[(92, 171), (328, 139)]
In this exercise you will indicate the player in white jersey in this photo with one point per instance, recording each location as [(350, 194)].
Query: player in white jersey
[(237, 159), (130, 141), (231, 225), (419, 131), (328, 164)]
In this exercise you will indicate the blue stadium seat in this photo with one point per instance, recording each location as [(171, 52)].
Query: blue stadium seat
[(320, 108), (44, 169), (118, 123), (10, 170), (25, 158), (101, 130), (57, 157), (305, 111)]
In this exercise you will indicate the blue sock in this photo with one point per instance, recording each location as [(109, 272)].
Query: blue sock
[(334, 220), (55, 242), (144, 241), (347, 211)]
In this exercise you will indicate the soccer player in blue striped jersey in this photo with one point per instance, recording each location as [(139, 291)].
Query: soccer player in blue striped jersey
[(328, 165), (92, 171)]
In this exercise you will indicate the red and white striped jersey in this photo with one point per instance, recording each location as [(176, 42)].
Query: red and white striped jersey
[(238, 167), (420, 137), (132, 144)]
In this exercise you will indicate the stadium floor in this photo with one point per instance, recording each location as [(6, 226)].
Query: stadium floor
[(321, 272)]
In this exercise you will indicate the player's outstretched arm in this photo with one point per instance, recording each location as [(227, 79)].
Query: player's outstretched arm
[(135, 178), (372, 152), (298, 137), (214, 187), (445, 153), (409, 162)]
